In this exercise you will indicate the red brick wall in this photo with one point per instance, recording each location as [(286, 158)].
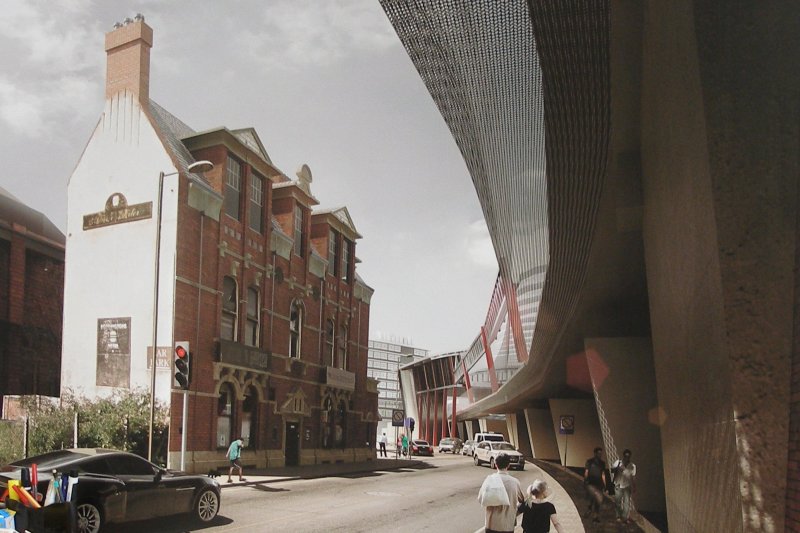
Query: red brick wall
[(246, 255), (5, 264)]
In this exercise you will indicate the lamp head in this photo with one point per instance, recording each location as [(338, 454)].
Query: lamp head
[(200, 166)]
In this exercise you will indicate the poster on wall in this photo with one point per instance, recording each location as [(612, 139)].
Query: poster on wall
[(114, 352)]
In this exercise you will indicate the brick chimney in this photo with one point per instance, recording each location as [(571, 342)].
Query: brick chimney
[(128, 54)]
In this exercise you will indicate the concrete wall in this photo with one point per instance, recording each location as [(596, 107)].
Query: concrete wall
[(542, 435), (720, 170), (580, 445), (625, 392)]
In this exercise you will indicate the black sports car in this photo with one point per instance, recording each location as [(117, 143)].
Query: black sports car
[(115, 487)]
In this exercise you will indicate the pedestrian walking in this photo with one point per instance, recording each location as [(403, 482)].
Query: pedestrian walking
[(537, 511), (383, 444), (233, 455), (594, 479), (500, 494), (404, 443), (624, 477)]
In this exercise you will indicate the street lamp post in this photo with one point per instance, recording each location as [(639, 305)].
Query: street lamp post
[(198, 166)]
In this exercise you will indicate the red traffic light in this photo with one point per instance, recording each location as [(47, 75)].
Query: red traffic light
[(180, 352)]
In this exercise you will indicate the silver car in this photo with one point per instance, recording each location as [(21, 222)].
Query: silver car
[(468, 447), (486, 451)]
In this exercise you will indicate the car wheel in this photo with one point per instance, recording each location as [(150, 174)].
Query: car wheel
[(477, 461), (491, 463), (207, 506), (89, 518)]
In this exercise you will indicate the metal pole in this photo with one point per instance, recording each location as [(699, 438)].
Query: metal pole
[(155, 319), (184, 425), (75, 431)]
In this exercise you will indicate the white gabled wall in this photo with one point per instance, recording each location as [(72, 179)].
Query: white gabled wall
[(109, 270)]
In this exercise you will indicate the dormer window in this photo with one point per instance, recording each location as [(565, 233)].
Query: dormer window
[(333, 248), (256, 214), (298, 231), (346, 260), (233, 187)]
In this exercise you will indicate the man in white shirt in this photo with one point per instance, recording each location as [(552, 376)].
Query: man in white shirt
[(624, 474), (502, 518), (383, 445)]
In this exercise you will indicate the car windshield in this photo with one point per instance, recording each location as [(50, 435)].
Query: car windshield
[(446, 441), (421, 442), (502, 446)]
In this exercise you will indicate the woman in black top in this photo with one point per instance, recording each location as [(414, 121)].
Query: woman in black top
[(537, 512)]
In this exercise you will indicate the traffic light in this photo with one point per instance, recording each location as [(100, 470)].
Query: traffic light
[(411, 424), (182, 364)]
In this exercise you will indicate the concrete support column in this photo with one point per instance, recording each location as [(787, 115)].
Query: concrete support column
[(541, 434)]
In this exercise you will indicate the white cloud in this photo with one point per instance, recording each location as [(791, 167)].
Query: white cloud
[(293, 34), (479, 245), (50, 51)]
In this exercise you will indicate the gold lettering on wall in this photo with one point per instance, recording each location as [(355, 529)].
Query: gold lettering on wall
[(117, 211)]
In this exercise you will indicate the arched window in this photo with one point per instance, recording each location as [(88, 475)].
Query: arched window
[(341, 359), (327, 414), (295, 329), (250, 418), (340, 425), (330, 346), (230, 309), (226, 406), (251, 328)]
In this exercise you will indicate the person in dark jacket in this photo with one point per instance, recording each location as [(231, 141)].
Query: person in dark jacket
[(537, 512)]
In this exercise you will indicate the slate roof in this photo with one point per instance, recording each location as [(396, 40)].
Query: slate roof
[(172, 130)]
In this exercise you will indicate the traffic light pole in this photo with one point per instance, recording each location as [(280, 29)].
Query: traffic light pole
[(183, 429)]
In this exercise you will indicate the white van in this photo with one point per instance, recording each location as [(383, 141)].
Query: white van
[(492, 436)]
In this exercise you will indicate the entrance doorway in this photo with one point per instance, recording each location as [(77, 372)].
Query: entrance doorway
[(292, 444)]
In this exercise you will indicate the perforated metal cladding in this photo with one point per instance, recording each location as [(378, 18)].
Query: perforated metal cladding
[(524, 88), (478, 60)]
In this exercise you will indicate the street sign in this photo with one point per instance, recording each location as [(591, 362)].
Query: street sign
[(398, 416), (566, 425)]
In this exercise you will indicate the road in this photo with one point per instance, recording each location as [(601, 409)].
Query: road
[(439, 496)]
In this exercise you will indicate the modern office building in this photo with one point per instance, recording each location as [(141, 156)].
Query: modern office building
[(385, 359), (236, 260)]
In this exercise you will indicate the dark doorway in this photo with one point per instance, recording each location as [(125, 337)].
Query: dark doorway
[(292, 443)]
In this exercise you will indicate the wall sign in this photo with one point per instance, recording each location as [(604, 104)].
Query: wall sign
[(113, 352), (117, 211)]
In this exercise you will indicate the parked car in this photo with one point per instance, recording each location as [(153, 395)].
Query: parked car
[(421, 447), (452, 445), (486, 451), (468, 448), (116, 487)]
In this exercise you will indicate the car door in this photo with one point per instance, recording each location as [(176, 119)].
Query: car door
[(144, 493), (179, 491), (482, 451)]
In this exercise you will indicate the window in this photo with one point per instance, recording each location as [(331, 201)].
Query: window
[(341, 360), (225, 407), (230, 310), (298, 231), (249, 431), (333, 247), (295, 329), (233, 187), (251, 328), (256, 215), (329, 342), (346, 260)]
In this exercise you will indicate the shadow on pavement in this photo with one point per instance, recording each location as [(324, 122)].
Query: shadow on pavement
[(265, 488), (170, 524)]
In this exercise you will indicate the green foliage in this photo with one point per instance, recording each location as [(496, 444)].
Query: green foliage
[(120, 422)]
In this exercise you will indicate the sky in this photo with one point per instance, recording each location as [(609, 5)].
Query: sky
[(325, 83)]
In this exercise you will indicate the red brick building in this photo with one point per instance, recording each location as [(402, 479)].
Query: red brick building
[(31, 298), (265, 287)]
